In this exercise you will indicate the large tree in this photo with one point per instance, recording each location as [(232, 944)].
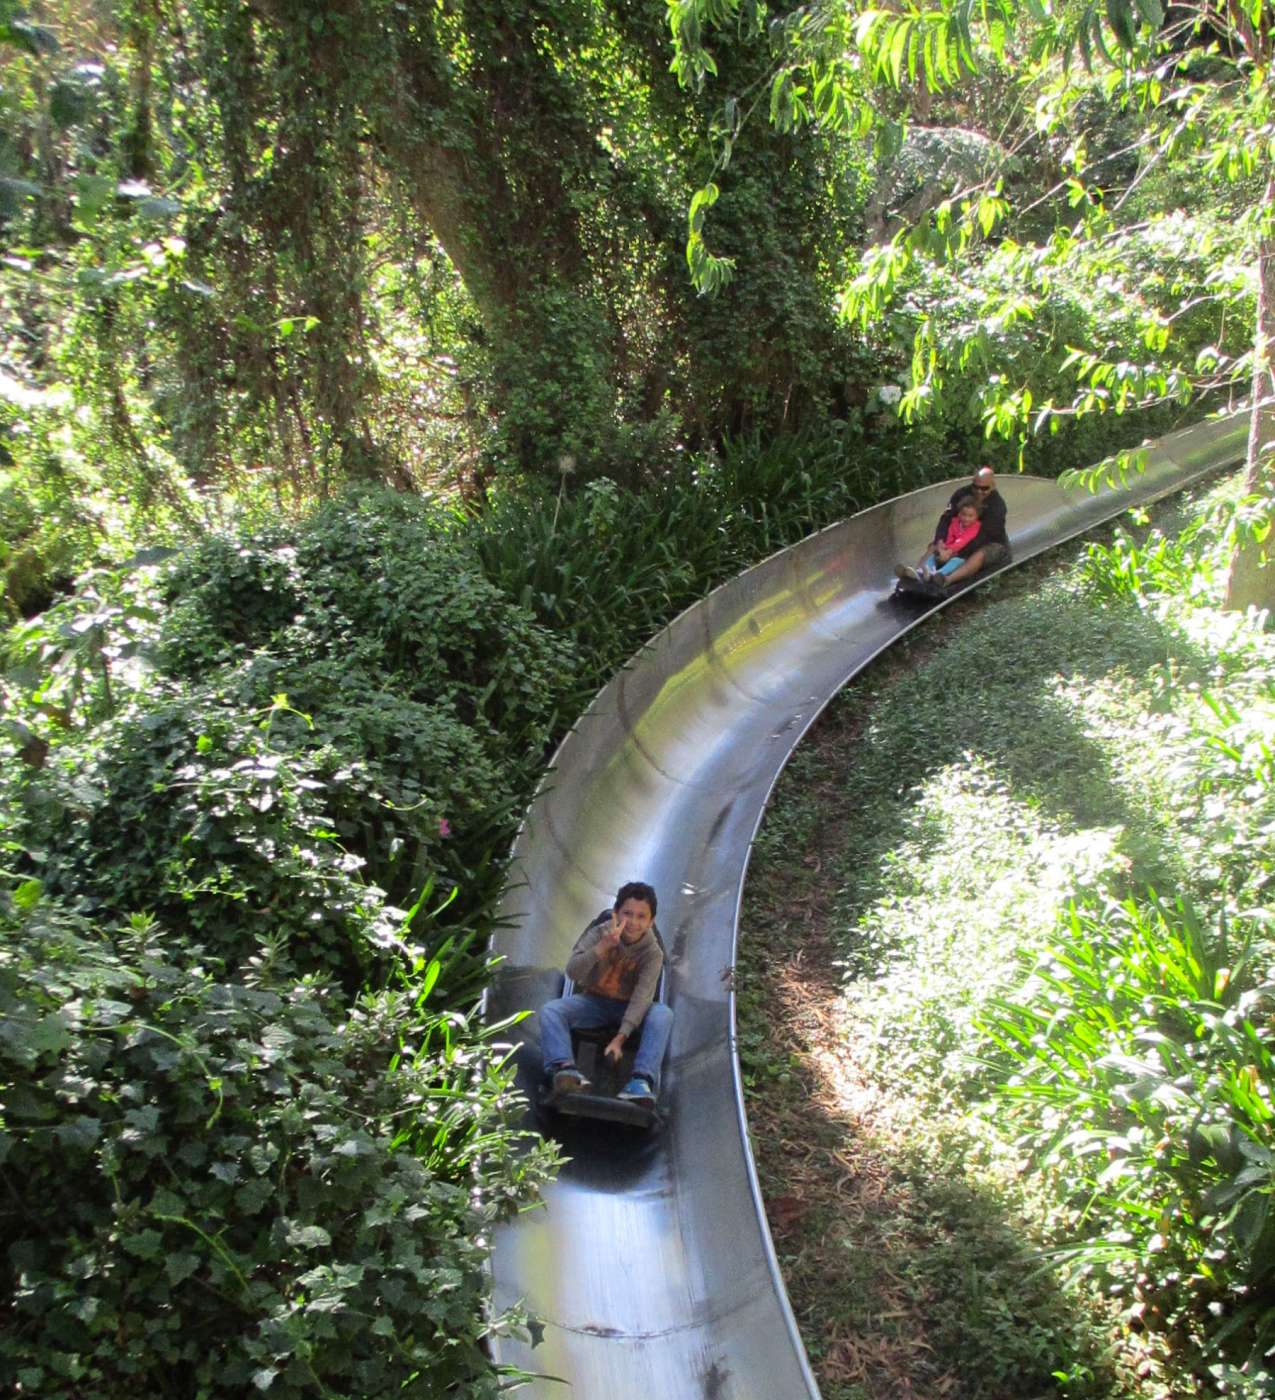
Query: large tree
[(305, 146)]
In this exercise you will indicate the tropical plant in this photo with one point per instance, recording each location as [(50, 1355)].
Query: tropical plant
[(1141, 1070)]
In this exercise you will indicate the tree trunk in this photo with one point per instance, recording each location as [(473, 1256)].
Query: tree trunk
[(1251, 581), (494, 122)]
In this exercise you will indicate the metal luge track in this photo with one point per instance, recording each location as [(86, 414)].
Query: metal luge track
[(651, 1264)]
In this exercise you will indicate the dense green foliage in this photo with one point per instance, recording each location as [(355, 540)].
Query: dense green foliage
[(315, 723), (239, 267), (1024, 343), (268, 726), (224, 1183), (334, 241), (270, 1137), (284, 736), (1112, 147), (1144, 1080), (611, 567), (1052, 914), (1108, 123)]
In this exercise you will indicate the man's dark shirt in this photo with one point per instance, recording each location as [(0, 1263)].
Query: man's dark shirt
[(991, 523)]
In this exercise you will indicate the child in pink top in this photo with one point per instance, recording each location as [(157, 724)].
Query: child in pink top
[(962, 530)]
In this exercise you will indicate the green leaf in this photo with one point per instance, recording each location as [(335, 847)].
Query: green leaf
[(48, 1035), (27, 895), (83, 1131), (166, 1202), (1250, 1220), (1123, 20), (428, 981), (253, 1195), (145, 1245), (92, 194), (897, 52), (179, 1267), (309, 1236)]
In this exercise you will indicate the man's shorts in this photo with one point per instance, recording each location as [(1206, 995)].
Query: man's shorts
[(995, 556)]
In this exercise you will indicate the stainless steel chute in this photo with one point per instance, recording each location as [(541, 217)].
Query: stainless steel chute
[(651, 1264)]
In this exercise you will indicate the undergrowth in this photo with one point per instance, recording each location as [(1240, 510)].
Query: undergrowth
[(1001, 842)]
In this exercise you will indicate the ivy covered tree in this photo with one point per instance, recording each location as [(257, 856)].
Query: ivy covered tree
[(304, 235)]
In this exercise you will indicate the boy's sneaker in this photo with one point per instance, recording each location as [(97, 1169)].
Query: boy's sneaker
[(569, 1081), (906, 571), (638, 1091)]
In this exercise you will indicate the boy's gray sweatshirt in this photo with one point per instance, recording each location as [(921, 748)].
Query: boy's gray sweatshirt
[(629, 971)]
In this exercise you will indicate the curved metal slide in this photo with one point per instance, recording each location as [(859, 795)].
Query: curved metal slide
[(651, 1264)]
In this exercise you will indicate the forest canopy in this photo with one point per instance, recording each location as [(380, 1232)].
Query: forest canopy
[(262, 250)]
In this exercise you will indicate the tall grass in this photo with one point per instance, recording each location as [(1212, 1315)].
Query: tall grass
[(611, 567)]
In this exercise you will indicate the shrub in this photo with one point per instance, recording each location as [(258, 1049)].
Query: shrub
[(197, 811), (329, 719), (397, 574), (219, 1185), (412, 788), (383, 580), (228, 594), (1142, 1072)]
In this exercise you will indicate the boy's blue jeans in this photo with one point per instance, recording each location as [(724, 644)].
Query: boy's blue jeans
[(586, 1012)]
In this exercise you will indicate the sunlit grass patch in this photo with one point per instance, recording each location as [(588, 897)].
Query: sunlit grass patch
[(979, 878)]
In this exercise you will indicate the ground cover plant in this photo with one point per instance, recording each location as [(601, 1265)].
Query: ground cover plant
[(1010, 1057)]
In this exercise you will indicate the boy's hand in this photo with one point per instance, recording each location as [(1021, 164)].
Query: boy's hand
[(612, 936), (615, 1048)]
